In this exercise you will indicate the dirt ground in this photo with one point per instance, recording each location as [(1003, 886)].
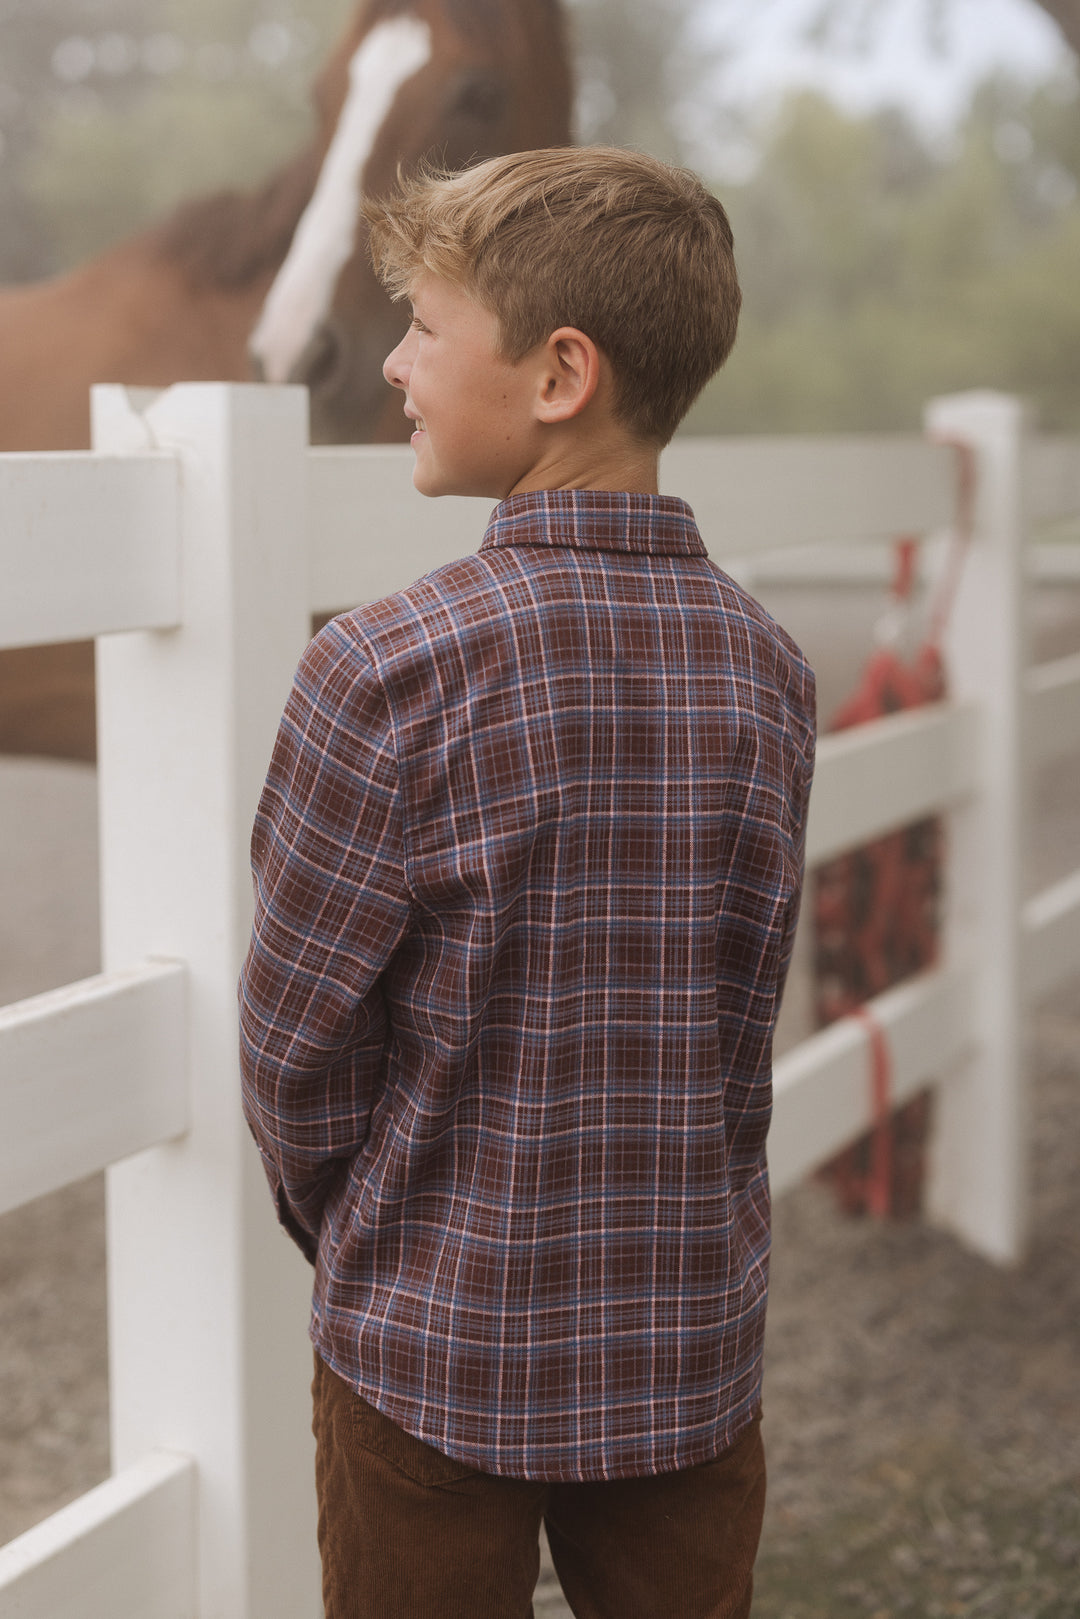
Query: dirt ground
[(922, 1406)]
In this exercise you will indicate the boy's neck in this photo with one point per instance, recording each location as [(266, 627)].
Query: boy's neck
[(626, 467)]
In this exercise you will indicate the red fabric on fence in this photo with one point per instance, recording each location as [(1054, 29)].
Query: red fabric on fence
[(877, 920)]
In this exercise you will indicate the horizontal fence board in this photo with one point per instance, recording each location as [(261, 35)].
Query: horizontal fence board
[(89, 544), (370, 533), (1052, 709), (1052, 564), (823, 1091), (874, 778), (1051, 938), (874, 563), (125, 1550), (1053, 478), (90, 1074), (871, 563), (92, 539), (756, 494)]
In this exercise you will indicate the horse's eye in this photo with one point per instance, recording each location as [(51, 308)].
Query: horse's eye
[(478, 95)]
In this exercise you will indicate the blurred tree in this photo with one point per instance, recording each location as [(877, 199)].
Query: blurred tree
[(877, 272), (644, 78), (650, 69), (29, 91), (111, 110), (858, 19)]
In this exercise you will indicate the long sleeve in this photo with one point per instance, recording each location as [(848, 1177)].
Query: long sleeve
[(331, 905)]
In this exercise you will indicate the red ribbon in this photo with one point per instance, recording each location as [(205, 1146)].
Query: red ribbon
[(878, 1189)]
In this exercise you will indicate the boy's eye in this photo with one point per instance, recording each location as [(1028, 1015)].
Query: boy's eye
[(417, 324)]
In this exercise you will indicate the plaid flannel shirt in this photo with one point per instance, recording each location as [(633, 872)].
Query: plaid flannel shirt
[(527, 868)]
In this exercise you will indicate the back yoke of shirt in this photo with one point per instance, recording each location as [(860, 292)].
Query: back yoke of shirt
[(528, 863)]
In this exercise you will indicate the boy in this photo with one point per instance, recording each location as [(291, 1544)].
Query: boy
[(527, 866)]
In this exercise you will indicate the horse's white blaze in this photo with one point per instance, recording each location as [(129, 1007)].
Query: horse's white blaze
[(304, 287)]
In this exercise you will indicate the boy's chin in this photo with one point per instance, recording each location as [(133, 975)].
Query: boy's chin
[(424, 484), (434, 484), (426, 481)]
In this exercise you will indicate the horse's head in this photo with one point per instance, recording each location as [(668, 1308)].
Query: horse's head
[(451, 80)]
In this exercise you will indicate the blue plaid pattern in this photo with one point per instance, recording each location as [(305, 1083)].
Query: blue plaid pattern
[(527, 868)]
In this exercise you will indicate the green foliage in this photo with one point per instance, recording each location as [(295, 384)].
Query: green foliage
[(101, 173), (877, 273), (112, 110), (639, 69)]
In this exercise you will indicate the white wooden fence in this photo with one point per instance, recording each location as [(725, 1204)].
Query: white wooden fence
[(195, 540)]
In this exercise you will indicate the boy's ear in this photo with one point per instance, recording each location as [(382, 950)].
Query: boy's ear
[(570, 375)]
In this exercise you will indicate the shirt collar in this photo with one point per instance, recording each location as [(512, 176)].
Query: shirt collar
[(596, 520)]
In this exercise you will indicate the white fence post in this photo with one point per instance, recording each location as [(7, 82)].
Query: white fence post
[(208, 1301), (979, 1163)]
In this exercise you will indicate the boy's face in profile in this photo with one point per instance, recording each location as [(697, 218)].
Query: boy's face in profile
[(476, 429)]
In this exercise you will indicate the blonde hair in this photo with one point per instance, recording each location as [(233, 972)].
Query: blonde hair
[(632, 252)]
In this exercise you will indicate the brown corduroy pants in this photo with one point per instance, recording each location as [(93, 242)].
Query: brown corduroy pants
[(407, 1533)]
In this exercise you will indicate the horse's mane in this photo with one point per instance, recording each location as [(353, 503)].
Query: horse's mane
[(227, 241)]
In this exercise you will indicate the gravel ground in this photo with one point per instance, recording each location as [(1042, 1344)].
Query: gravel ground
[(922, 1406)]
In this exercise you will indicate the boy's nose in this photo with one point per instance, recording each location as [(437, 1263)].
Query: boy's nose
[(395, 369)]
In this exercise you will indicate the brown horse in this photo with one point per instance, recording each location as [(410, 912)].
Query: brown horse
[(276, 283)]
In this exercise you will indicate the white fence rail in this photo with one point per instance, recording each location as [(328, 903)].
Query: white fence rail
[(76, 1087), (126, 1548), (205, 528), (120, 571)]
